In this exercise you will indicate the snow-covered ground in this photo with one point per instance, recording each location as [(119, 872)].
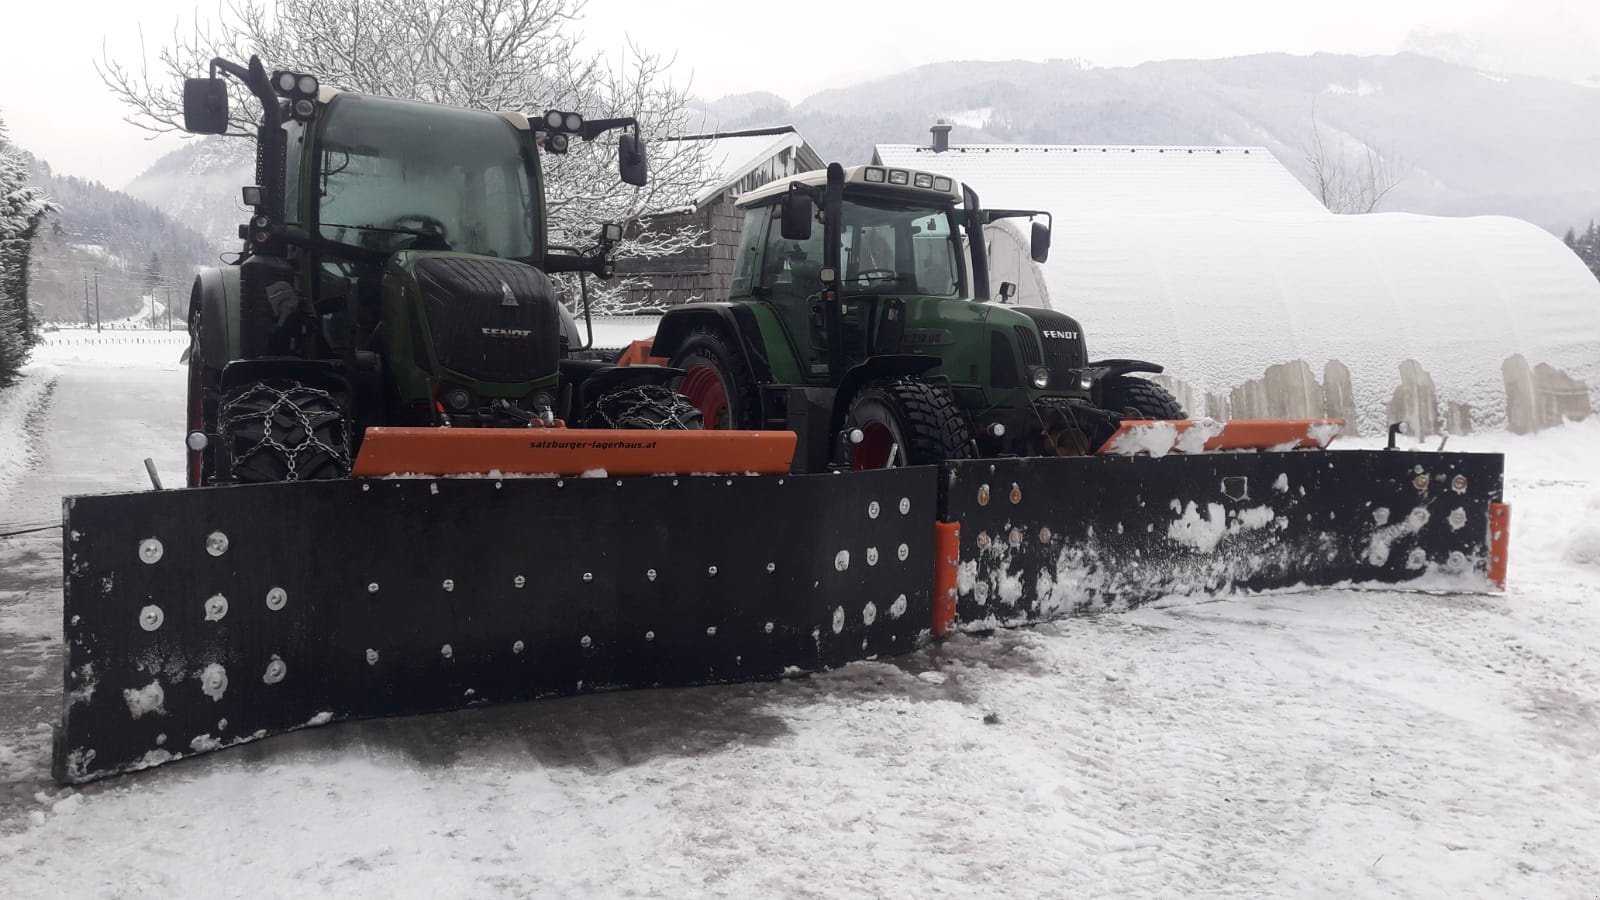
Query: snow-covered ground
[(1330, 743)]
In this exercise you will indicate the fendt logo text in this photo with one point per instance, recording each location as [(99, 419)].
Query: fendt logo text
[(1060, 335)]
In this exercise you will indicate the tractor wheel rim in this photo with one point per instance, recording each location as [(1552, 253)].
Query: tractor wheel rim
[(703, 386), (877, 442)]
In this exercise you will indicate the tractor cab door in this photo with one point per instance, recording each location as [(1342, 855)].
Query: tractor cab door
[(790, 279)]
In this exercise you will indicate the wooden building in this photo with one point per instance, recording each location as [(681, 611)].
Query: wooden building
[(740, 161)]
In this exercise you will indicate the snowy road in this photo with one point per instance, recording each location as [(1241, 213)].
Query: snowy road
[(1317, 744)]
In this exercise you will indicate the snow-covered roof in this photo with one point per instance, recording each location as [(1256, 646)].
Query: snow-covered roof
[(1219, 265), (1124, 180), (732, 155)]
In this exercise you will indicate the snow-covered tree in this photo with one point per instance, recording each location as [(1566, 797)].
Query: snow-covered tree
[(23, 208), (506, 55), (1350, 175)]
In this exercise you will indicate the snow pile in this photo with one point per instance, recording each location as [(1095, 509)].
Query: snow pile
[(19, 405), (1584, 546)]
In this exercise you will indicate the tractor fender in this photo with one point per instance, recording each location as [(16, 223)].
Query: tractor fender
[(885, 366), (733, 319), (1107, 367), (327, 374), (209, 301)]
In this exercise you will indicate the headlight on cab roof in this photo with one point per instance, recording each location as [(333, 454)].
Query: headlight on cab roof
[(875, 176), (899, 176)]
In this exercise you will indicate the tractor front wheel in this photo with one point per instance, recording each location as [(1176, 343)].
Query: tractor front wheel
[(716, 380), (905, 422), (279, 429), (1120, 393)]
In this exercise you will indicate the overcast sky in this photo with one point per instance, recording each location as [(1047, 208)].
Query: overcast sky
[(55, 105)]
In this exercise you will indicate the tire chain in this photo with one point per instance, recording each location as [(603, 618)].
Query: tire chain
[(282, 402), (645, 407)]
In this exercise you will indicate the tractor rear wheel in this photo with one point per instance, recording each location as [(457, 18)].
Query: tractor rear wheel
[(1120, 393), (717, 381), (652, 407), (279, 429), (905, 422)]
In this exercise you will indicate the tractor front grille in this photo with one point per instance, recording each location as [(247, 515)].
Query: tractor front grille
[(491, 319)]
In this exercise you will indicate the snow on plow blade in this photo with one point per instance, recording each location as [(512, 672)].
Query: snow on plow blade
[(1158, 438), (570, 451), (197, 619), (1045, 538)]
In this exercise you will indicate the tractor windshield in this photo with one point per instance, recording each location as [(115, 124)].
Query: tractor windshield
[(894, 247), (396, 174)]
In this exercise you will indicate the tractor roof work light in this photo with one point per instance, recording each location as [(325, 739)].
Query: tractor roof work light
[(285, 82), (572, 122), (556, 143), (553, 119), (307, 84), (923, 180), (899, 176), (873, 176)]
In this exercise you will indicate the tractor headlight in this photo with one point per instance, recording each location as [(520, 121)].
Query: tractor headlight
[(1086, 381), (458, 399), (308, 85), (1040, 376)]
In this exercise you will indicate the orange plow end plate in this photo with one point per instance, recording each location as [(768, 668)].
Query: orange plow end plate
[(1158, 438), (570, 451)]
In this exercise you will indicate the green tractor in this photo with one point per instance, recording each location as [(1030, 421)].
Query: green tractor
[(395, 273), (871, 339)]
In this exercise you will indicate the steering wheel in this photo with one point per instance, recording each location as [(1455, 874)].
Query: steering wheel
[(865, 277), (428, 228)]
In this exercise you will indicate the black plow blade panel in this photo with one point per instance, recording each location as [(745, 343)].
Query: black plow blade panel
[(198, 619), (1045, 538)]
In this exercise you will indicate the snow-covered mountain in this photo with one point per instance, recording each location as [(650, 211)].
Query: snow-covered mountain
[(1471, 142), (198, 184)]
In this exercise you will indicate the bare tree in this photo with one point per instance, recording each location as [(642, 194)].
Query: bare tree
[(1351, 180), (504, 55)]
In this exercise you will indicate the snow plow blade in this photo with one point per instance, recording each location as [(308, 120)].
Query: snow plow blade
[(1045, 538), (202, 618), (570, 451), (1158, 437)]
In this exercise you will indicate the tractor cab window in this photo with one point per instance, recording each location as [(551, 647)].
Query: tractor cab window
[(747, 259), (791, 271), (890, 248), (396, 175)]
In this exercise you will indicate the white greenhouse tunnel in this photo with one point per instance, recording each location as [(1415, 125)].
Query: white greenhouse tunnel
[(1219, 265)]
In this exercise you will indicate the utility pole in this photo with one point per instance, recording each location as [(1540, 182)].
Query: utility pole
[(96, 301), (86, 299), (169, 307)]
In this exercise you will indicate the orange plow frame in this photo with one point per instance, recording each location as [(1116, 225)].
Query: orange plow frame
[(571, 451)]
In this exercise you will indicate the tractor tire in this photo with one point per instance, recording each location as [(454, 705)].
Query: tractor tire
[(649, 407), (1120, 393), (717, 381), (906, 422), (282, 430)]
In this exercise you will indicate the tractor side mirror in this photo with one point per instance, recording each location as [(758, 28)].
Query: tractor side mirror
[(205, 106), (1039, 247), (797, 214), (631, 162)]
